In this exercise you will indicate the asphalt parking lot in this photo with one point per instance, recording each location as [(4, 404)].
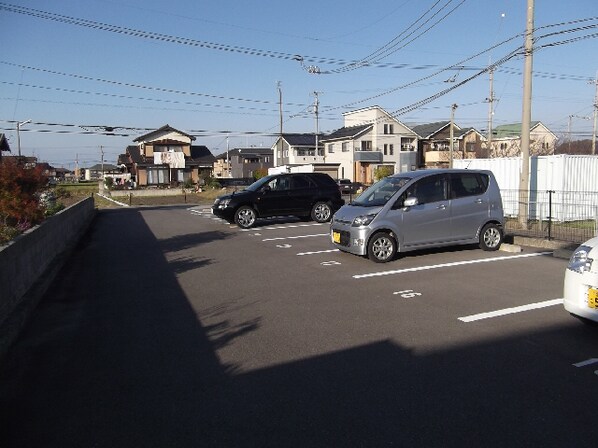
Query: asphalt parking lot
[(210, 334)]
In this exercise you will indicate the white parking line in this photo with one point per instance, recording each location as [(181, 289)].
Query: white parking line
[(294, 237), (517, 309), (289, 226), (448, 265), (317, 252)]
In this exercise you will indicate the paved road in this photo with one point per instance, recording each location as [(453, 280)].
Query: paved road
[(169, 328)]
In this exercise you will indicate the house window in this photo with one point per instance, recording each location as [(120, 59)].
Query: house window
[(183, 175), (366, 145), (157, 176), (391, 149), (168, 148), (503, 146), (345, 146), (306, 152), (385, 149), (330, 148), (470, 146), (267, 159), (388, 129)]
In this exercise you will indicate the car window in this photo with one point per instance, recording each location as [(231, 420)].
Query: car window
[(427, 190), (301, 182), (467, 184), (280, 183), (379, 193)]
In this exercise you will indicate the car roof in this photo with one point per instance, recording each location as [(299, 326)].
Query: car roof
[(421, 173)]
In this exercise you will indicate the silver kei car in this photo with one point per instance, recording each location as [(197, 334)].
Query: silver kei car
[(421, 209)]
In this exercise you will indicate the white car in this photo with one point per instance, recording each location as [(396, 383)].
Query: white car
[(581, 281)]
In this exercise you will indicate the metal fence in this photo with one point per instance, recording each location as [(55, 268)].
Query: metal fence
[(560, 215)]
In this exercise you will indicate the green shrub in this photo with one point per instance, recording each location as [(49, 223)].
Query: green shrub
[(214, 184), (383, 171), (259, 173)]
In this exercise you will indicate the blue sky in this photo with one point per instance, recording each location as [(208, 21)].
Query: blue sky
[(220, 78)]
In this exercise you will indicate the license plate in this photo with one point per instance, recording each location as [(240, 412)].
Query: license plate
[(336, 237), (593, 298)]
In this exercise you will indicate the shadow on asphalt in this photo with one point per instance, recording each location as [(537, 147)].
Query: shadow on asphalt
[(115, 356)]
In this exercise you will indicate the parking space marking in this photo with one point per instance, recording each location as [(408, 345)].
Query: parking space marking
[(448, 265), (514, 310), (317, 252), (287, 226), (294, 237)]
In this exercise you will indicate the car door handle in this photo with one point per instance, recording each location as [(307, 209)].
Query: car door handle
[(478, 201), (441, 207)]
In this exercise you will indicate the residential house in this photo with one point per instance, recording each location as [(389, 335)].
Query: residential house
[(101, 170), (434, 147), (506, 140), (243, 162), (297, 149), (166, 156), (371, 138)]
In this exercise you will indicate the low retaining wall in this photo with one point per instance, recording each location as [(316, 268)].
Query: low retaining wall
[(150, 192), (29, 263)]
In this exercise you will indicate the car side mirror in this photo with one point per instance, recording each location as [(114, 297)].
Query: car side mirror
[(410, 202), (266, 189)]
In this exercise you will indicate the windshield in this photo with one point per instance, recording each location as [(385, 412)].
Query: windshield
[(259, 183), (379, 193)]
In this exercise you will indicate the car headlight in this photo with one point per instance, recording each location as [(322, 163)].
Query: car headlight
[(363, 220), (221, 203), (579, 261)]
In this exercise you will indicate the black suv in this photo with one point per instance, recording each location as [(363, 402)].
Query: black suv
[(307, 195)]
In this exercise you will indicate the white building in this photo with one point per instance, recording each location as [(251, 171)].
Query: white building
[(370, 138)]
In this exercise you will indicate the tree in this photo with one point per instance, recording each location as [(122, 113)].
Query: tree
[(19, 200), (383, 171), (259, 173)]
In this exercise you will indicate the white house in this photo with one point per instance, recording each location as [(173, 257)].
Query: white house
[(370, 138), (297, 149), (506, 140)]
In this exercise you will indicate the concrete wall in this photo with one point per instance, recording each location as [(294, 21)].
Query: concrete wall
[(30, 262), (147, 193)]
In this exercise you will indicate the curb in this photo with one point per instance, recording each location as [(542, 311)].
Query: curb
[(560, 249)]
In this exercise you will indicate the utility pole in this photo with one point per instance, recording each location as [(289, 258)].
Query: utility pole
[(451, 137), (595, 82), (316, 112), (102, 151), (77, 173), (278, 84), (19, 124), (490, 100), (228, 170), (526, 116)]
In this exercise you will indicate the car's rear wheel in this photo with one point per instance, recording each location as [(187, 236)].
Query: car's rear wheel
[(491, 237), (245, 217), (321, 212), (382, 247)]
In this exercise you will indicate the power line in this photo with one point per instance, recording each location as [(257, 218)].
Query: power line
[(393, 46)]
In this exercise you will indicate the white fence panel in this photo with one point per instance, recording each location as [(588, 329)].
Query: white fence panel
[(574, 179)]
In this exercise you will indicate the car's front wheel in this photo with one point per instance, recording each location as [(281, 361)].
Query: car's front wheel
[(321, 212), (245, 217), (382, 247), (491, 237)]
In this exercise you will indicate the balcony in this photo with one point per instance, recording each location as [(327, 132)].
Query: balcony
[(368, 156), (437, 157)]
